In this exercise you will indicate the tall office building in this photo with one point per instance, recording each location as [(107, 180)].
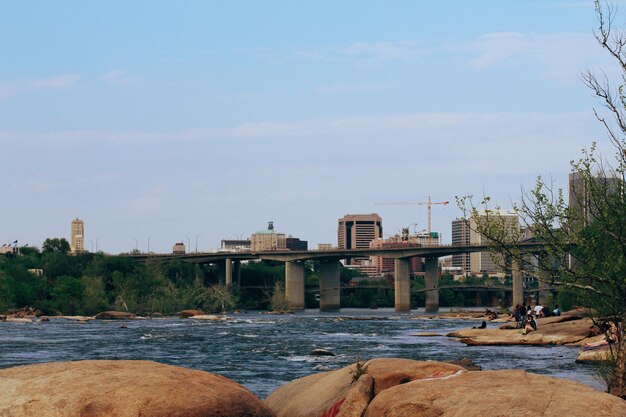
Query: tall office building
[(484, 262), (588, 201), (77, 243), (356, 231), (461, 236)]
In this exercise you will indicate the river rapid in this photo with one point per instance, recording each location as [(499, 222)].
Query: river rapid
[(264, 351)]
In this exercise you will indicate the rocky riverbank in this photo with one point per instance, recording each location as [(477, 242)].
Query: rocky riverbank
[(572, 328), (379, 387), (32, 316)]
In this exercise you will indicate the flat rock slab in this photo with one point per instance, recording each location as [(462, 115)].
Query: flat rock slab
[(122, 389), (560, 333), (74, 318), (114, 315), (213, 317), (18, 320), (495, 394), (592, 356)]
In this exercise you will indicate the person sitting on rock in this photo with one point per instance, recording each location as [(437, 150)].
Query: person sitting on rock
[(483, 325), (610, 337), (531, 325), (556, 311), (522, 317)]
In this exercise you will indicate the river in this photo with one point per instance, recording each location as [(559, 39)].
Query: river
[(264, 351)]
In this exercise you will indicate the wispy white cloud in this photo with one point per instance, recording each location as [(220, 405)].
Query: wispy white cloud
[(450, 139), (558, 56), (13, 88), (120, 77)]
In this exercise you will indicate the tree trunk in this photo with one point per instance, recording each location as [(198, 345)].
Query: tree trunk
[(618, 387)]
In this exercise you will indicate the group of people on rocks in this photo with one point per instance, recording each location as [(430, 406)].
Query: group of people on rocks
[(525, 316)]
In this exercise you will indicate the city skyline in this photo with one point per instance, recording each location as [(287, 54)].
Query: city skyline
[(153, 121)]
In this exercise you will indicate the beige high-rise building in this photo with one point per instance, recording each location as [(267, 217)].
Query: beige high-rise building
[(483, 262), (77, 243), (461, 236), (356, 231)]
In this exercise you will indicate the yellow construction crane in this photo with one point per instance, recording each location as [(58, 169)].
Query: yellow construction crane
[(428, 203)]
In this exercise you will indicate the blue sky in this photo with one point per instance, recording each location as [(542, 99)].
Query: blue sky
[(179, 119)]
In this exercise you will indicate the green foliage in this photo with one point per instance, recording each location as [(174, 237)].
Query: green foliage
[(56, 245), (459, 300), (446, 297), (67, 294), (217, 298), (359, 369), (568, 299), (583, 240), (278, 300)]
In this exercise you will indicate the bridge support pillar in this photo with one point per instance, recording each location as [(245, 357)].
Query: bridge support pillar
[(543, 297), (495, 301), (431, 282), (330, 285), (237, 272), (294, 285), (402, 285), (518, 283), (228, 273)]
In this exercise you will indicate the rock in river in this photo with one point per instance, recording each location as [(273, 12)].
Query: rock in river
[(122, 389), (114, 315), (548, 333), (321, 352), (495, 393), (336, 393), (185, 314)]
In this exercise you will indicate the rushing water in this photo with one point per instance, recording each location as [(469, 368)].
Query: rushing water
[(263, 351)]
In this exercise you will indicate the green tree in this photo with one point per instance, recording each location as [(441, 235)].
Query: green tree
[(67, 294), (218, 298), (584, 248), (278, 299), (56, 245)]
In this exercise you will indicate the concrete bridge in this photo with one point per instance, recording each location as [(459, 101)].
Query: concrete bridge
[(330, 267)]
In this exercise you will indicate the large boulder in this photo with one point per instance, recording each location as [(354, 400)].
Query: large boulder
[(495, 394), (122, 389), (551, 333), (336, 393), (114, 315)]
